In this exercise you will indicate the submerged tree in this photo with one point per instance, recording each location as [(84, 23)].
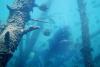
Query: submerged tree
[(58, 47), (12, 33), (86, 44), (35, 37)]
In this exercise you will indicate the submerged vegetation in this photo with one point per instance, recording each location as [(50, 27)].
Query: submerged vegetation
[(49, 33)]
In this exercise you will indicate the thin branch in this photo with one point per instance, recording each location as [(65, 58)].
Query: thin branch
[(39, 20), (2, 27), (30, 29)]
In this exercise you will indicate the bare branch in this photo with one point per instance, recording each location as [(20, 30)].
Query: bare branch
[(2, 26), (39, 20), (30, 29), (9, 8)]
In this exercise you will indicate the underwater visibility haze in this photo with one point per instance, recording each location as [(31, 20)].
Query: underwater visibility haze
[(49, 33)]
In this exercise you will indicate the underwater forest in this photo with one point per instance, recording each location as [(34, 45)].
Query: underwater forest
[(49, 33)]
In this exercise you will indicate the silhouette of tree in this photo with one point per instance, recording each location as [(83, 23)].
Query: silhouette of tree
[(86, 44), (58, 46), (14, 29)]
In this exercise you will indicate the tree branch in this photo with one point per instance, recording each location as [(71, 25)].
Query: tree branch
[(2, 27), (30, 29), (39, 20)]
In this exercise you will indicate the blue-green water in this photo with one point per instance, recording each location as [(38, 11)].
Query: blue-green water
[(58, 42)]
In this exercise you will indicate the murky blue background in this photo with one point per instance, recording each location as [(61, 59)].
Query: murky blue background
[(40, 48)]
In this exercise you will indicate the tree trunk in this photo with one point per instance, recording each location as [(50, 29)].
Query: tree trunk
[(14, 30), (86, 44), (32, 41)]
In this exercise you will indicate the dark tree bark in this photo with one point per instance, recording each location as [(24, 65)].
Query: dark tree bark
[(12, 33), (86, 44)]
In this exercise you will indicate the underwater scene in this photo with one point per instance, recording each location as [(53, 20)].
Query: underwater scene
[(49, 33)]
